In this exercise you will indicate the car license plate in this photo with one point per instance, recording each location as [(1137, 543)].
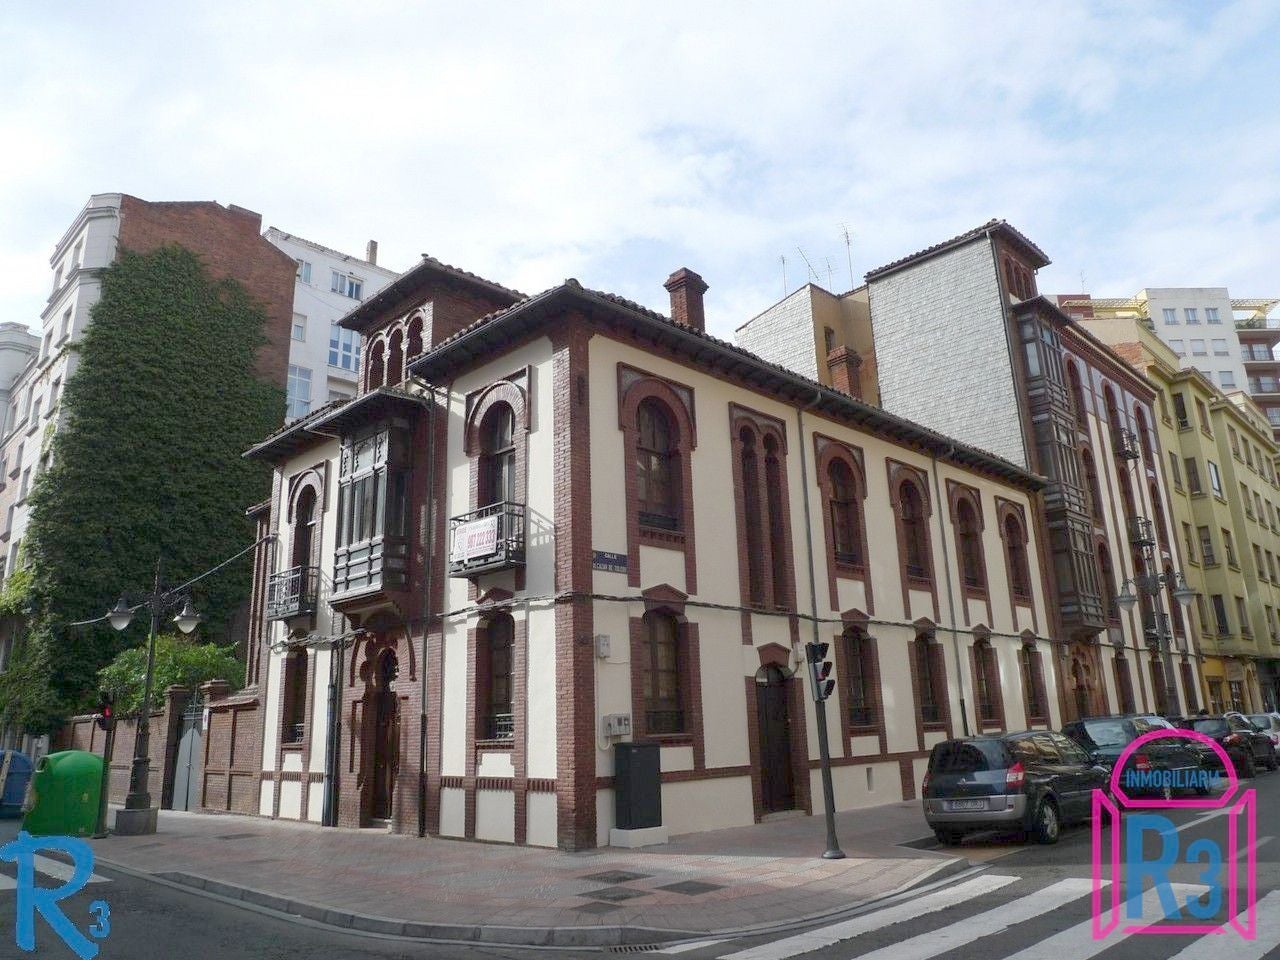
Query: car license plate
[(966, 804)]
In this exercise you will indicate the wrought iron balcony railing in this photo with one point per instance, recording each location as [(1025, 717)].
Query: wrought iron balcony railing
[(293, 732), (292, 593), (491, 538), (1125, 444), (500, 726), (1141, 532)]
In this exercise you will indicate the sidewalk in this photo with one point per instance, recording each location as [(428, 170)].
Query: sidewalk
[(726, 881)]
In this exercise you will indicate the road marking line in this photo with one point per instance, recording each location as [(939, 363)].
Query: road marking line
[(1213, 946), (845, 929), (1077, 942), (7, 882), (686, 947), (980, 925)]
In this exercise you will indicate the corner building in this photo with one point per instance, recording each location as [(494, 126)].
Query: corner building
[(550, 524)]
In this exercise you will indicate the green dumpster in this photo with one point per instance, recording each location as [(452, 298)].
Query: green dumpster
[(64, 795)]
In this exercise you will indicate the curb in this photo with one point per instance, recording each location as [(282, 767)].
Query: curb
[(562, 937)]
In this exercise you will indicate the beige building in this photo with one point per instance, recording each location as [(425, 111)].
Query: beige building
[(549, 526)]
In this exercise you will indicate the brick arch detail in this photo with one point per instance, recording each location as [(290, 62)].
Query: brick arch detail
[(827, 450), (958, 493), (899, 475)]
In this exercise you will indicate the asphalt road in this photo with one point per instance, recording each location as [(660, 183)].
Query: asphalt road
[(1025, 902)]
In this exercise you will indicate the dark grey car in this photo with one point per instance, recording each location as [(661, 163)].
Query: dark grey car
[(1032, 782)]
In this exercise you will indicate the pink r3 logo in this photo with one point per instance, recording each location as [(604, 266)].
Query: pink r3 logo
[(1119, 841)]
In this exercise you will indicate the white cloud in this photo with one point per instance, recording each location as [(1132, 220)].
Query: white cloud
[(530, 142)]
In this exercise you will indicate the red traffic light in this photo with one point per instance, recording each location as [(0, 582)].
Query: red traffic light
[(106, 713)]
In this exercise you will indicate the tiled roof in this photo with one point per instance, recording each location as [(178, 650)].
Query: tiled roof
[(403, 285), (879, 420), (991, 226), (295, 428)]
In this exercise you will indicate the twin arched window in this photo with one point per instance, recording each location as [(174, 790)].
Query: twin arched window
[(657, 466), (913, 523)]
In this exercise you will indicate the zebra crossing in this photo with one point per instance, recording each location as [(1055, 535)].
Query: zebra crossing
[(1030, 923), (50, 868)]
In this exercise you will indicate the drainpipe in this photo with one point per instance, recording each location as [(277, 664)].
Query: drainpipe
[(951, 599), (428, 551), (833, 851)]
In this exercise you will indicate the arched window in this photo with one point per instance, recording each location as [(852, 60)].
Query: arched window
[(752, 516), (969, 538), (1175, 608), (1144, 437), (497, 456), (1091, 481), (1077, 394), (846, 526), (1109, 403), (1015, 539), (860, 659), (414, 348), (395, 359), (657, 472), (1158, 687), (304, 524), (931, 679), (1108, 583), (986, 672), (778, 546), (1033, 689), (1124, 685), (376, 373), (663, 693), (915, 531), (495, 643)]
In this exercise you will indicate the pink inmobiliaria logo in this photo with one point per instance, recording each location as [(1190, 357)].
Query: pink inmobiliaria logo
[(1219, 871)]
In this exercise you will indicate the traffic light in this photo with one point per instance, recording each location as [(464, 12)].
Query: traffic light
[(106, 718), (820, 669)]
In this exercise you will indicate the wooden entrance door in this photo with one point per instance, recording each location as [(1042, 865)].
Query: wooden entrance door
[(386, 737), (777, 779)]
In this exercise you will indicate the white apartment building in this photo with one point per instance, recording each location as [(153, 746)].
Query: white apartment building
[(324, 359)]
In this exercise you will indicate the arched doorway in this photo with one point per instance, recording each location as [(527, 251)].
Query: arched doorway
[(1084, 680), (386, 736), (773, 714)]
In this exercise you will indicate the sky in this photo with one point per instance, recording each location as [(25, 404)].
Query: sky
[(1137, 143)]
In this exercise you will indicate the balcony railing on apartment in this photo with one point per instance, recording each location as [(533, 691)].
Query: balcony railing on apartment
[(1125, 444), (293, 732), (1258, 323), (1155, 626), (292, 593), (1257, 353), (500, 726), (1141, 532), (1264, 385), (491, 538)]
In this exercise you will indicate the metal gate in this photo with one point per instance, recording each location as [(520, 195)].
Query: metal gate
[(187, 759)]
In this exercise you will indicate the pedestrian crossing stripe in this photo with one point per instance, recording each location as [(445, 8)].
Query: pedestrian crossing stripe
[(50, 868), (1214, 946)]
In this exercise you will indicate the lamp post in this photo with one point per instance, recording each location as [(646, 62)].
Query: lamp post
[(1152, 585), (138, 815)]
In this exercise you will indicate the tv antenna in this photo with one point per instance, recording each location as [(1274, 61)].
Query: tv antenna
[(813, 274), (830, 283), (848, 251), (783, 258)]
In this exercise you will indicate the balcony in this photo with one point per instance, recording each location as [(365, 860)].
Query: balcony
[(292, 593), (1141, 533), (1264, 385), (499, 726), (486, 540), (1257, 353), (1155, 627), (1125, 444)]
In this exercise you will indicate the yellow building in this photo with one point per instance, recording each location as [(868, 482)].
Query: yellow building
[(1220, 459)]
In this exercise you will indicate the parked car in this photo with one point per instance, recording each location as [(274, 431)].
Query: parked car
[(1169, 765), (1268, 723), (1032, 782), (1244, 745)]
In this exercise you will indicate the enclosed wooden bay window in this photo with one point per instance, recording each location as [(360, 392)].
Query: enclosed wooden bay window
[(373, 503)]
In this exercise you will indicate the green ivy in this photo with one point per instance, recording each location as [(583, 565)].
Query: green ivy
[(147, 464), (177, 661)]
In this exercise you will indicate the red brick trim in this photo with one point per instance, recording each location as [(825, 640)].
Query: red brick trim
[(841, 643), (766, 433), (541, 785), (938, 663), (900, 474), (980, 646), (1007, 510), (826, 450), (690, 661), (1031, 663), (958, 493), (575, 648), (634, 386)]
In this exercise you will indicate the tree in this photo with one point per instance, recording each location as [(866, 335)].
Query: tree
[(177, 661), (146, 463)]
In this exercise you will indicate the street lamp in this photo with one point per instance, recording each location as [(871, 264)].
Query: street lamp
[(1152, 585), (138, 816)]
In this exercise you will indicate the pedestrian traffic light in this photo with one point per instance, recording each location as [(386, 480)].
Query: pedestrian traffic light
[(820, 669), (106, 718)]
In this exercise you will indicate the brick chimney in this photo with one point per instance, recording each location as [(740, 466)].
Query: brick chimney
[(371, 251), (686, 289), (843, 364)]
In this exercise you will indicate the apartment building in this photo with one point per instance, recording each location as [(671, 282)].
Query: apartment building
[(957, 337), (1226, 508), (324, 358), (584, 523), (1231, 341)]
